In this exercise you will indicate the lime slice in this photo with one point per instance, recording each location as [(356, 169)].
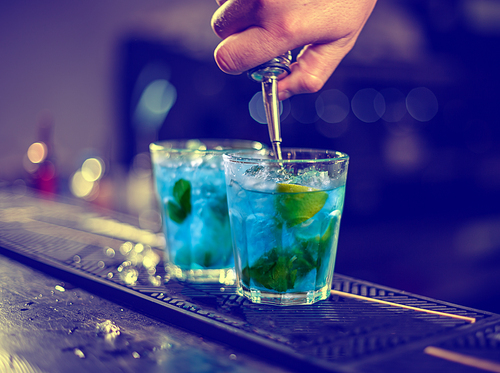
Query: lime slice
[(297, 203)]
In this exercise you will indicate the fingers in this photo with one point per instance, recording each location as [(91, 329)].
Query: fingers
[(242, 51), (233, 16), (248, 40), (314, 66), (255, 31)]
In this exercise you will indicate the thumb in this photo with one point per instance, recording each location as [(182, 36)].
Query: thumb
[(242, 51), (314, 66)]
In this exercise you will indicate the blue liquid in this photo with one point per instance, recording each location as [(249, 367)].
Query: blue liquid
[(202, 240), (276, 256)]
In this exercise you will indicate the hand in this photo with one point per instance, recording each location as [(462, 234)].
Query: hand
[(255, 31)]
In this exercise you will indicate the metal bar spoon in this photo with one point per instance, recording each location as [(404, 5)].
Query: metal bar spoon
[(268, 75)]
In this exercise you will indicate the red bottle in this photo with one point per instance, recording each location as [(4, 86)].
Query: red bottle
[(45, 178)]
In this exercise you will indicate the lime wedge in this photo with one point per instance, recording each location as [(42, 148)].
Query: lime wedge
[(297, 203)]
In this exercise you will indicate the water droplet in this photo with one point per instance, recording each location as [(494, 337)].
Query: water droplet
[(60, 288), (126, 247), (109, 252), (136, 355), (155, 280), (129, 275), (77, 259), (79, 353), (222, 290), (107, 330), (233, 357)]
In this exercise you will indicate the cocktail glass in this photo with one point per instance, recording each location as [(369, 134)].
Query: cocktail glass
[(285, 218), (191, 191)]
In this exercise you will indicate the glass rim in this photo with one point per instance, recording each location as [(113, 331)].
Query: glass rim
[(245, 156), (174, 145)]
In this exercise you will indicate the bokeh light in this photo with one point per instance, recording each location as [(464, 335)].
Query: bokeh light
[(92, 169), (422, 104), (332, 106), (154, 104), (193, 144), (85, 181), (258, 112), (368, 105), (80, 187), (37, 152), (395, 105), (126, 247)]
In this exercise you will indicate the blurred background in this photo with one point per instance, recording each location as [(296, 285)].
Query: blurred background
[(85, 86)]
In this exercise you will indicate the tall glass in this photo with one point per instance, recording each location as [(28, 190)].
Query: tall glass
[(285, 219), (190, 187)]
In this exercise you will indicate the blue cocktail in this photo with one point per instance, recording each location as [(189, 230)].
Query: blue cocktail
[(190, 186), (285, 220)]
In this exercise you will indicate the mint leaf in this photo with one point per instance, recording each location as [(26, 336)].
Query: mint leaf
[(277, 270), (179, 210), (219, 207), (175, 212), (208, 260), (282, 278), (182, 194)]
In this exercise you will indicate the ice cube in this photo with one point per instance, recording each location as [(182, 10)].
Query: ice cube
[(238, 230), (312, 177), (335, 199), (264, 178), (254, 171), (260, 236)]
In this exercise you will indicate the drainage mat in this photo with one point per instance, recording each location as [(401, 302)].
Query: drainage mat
[(361, 327)]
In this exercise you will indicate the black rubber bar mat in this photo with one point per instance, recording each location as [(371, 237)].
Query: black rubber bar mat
[(108, 254)]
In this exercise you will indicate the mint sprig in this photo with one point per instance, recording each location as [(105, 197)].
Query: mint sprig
[(279, 269), (179, 209)]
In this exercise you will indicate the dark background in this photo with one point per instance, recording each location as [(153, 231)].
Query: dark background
[(422, 209)]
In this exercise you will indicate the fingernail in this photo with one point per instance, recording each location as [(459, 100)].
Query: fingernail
[(283, 95)]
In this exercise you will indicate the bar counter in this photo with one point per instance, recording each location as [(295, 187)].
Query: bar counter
[(82, 290)]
